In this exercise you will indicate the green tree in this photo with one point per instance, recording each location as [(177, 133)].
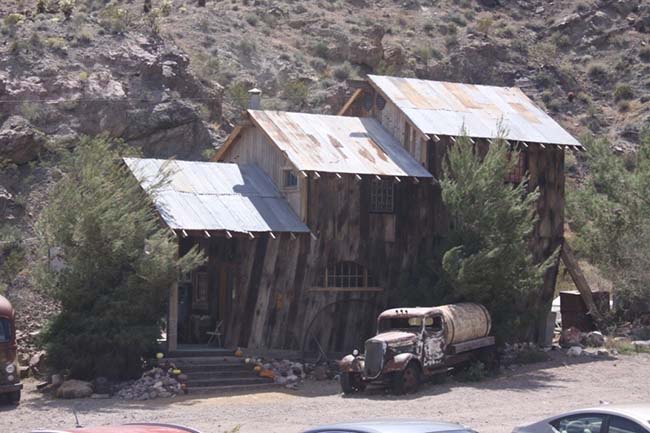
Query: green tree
[(609, 211), (485, 257), (488, 259), (119, 264)]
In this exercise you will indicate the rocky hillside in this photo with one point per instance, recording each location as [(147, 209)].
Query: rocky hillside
[(173, 80)]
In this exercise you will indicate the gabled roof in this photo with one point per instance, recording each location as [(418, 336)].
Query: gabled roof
[(214, 196), (443, 108), (337, 144)]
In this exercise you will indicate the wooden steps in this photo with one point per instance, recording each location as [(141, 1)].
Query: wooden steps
[(213, 371)]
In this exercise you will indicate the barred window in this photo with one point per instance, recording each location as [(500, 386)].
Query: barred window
[(382, 196), (519, 170), (290, 179), (345, 275)]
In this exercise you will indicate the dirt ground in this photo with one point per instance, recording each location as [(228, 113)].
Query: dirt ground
[(495, 405)]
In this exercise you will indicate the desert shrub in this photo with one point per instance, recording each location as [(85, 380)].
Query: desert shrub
[(457, 19), (597, 72), (13, 19), (530, 356), (67, 7), (623, 92), (320, 49), (238, 92), (624, 106), (115, 19), (41, 6), (166, 7), (484, 25), (428, 27), (251, 19), (474, 372), (296, 93), (561, 41), (32, 111), (343, 71), (644, 54), (119, 264), (247, 47), (12, 253)]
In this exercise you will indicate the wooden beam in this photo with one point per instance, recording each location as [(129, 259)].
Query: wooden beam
[(316, 175), (338, 176), (271, 235), (416, 180), (251, 235), (228, 234), (580, 281), (305, 175), (377, 177), (453, 139), (357, 177), (351, 101), (172, 322), (184, 233), (292, 236), (229, 141), (542, 146), (397, 179), (313, 236), (435, 138), (207, 234)]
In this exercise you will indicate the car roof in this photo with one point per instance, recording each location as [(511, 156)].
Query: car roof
[(391, 426), (126, 428), (639, 412)]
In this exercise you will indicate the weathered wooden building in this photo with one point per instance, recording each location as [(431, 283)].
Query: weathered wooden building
[(310, 221)]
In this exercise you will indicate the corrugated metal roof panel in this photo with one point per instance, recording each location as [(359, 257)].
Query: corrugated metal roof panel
[(443, 108), (337, 144), (215, 196)]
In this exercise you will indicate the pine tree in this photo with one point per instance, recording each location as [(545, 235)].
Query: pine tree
[(119, 264)]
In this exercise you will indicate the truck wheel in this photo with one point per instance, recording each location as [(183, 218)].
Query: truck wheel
[(408, 380), (489, 357), (14, 397), (351, 383)]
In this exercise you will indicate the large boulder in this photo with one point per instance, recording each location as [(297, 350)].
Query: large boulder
[(20, 142), (74, 389)]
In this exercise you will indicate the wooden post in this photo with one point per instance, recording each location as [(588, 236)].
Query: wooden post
[(580, 281), (172, 320)]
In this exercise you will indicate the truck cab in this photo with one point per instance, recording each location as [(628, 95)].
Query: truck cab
[(415, 343), (9, 376)]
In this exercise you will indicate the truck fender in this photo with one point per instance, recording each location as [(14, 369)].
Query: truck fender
[(351, 364), (399, 362)]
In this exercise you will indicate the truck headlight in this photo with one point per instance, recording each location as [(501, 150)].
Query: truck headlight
[(10, 368), (355, 352)]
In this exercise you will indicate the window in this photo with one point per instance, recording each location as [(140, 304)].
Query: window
[(382, 196), (583, 423), (519, 170), (290, 180), (345, 275), (434, 324), (5, 330), (622, 425)]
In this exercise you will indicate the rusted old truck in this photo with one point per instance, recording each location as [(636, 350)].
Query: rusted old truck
[(413, 344), (9, 376)]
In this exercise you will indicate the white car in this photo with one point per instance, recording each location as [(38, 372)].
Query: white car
[(631, 418)]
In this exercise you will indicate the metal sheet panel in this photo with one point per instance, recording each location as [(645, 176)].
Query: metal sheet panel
[(215, 196), (337, 144), (444, 108)]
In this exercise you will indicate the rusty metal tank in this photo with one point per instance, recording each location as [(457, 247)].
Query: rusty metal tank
[(465, 321)]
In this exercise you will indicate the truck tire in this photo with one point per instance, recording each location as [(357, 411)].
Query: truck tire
[(14, 397), (408, 380), (489, 357), (351, 383)]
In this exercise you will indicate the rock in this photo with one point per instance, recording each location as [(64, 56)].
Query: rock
[(593, 339), (641, 344), (364, 52), (74, 389), (394, 56), (100, 396), (570, 337), (320, 372), (20, 142), (574, 351), (603, 352)]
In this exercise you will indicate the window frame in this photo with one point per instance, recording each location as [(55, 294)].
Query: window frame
[(289, 173), (7, 327), (603, 426), (380, 195), (639, 427), (333, 276)]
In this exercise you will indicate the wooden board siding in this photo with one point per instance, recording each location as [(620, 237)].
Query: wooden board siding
[(273, 306), (252, 146)]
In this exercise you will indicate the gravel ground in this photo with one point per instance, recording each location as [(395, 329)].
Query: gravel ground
[(495, 405)]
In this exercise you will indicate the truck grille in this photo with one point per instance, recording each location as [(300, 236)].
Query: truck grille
[(374, 359)]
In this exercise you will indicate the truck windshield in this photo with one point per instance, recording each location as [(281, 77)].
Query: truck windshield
[(404, 323), (5, 330)]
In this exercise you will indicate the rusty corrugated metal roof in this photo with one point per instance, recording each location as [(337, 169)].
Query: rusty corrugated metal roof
[(443, 108), (215, 196), (337, 144)]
